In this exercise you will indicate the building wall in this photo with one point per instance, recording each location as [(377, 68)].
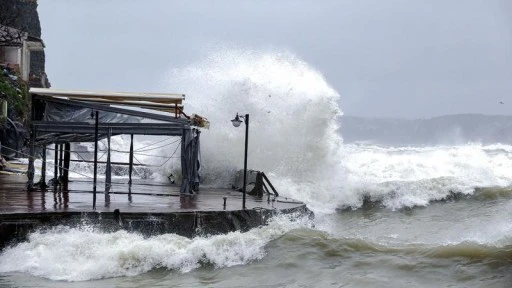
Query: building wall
[(10, 55), (23, 15)]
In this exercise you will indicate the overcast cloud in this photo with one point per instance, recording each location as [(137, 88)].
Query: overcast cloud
[(385, 58)]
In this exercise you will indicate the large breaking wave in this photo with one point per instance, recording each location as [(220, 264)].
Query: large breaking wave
[(294, 137), (86, 253), (295, 116), (415, 176)]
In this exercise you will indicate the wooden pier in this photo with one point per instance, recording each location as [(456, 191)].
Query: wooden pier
[(61, 117), (146, 208)]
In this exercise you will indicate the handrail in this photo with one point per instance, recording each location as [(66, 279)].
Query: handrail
[(269, 184)]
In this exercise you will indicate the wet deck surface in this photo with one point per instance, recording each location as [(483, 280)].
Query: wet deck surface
[(143, 197)]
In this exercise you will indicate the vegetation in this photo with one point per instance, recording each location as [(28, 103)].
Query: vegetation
[(16, 93)]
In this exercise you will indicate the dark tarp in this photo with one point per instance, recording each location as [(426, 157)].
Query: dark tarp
[(57, 112), (190, 162)]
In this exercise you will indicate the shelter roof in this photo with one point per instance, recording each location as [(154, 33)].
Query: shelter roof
[(63, 115)]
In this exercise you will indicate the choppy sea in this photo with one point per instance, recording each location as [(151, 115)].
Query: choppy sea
[(424, 216)]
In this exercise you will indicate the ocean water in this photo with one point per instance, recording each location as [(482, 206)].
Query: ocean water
[(385, 216)]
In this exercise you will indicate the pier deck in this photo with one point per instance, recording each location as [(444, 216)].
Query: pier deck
[(145, 197), (148, 207)]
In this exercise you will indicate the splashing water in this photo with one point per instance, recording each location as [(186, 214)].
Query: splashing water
[(415, 176), (85, 253), (293, 119), (293, 138)]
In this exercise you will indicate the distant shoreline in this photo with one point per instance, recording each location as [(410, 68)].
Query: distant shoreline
[(441, 130)]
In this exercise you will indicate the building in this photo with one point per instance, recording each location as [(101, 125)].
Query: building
[(15, 49)]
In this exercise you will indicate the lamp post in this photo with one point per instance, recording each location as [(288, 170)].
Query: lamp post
[(236, 122)]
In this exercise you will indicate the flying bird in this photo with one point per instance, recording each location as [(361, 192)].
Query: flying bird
[(501, 102)]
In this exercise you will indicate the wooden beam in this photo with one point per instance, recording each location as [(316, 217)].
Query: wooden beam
[(171, 108), (72, 94)]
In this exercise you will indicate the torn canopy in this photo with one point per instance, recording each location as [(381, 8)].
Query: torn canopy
[(57, 112)]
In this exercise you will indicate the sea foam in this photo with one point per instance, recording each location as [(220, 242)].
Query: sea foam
[(86, 253)]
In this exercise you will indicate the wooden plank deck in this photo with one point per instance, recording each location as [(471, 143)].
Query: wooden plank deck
[(147, 208), (143, 197)]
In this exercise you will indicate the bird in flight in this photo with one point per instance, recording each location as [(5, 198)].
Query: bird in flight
[(501, 102)]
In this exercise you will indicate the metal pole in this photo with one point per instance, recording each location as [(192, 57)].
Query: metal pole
[(56, 165), (67, 159), (130, 168), (61, 160), (95, 160), (108, 170), (245, 156), (42, 182), (32, 151)]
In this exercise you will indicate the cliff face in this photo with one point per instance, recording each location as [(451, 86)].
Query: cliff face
[(21, 14)]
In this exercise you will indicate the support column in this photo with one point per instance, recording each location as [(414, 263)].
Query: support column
[(185, 169), (42, 181), (95, 161), (130, 167), (67, 159), (56, 166), (61, 161), (32, 151), (195, 160)]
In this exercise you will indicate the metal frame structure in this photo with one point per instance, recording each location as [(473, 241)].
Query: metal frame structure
[(44, 132)]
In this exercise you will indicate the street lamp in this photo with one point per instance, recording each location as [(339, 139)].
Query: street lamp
[(91, 120), (236, 122)]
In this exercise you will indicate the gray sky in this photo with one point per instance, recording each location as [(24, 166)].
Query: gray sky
[(386, 58)]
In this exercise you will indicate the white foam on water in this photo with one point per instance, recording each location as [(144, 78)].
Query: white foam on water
[(84, 253), (414, 176)]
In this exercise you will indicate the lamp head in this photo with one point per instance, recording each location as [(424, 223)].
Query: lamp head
[(91, 119), (236, 122)]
